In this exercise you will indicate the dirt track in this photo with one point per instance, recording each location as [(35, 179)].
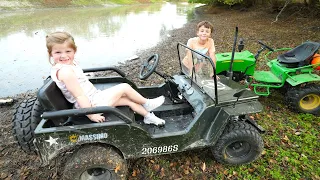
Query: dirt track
[(288, 32)]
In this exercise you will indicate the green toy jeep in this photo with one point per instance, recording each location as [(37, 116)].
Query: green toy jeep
[(199, 111)]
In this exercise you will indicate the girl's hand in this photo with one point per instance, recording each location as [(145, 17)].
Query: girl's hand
[(96, 118)]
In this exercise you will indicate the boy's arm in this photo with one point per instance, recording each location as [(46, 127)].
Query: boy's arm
[(68, 77)]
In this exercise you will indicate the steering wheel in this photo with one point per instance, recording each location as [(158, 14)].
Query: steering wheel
[(149, 66), (268, 47)]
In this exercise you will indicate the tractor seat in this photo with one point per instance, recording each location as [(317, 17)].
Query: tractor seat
[(52, 99), (300, 55)]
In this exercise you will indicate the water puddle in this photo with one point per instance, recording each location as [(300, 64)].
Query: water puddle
[(104, 36)]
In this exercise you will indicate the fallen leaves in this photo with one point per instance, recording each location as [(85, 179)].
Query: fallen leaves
[(297, 133), (272, 161), (251, 170), (156, 167), (118, 167), (203, 167), (285, 138), (134, 173), (263, 152), (3, 175), (186, 171), (162, 172)]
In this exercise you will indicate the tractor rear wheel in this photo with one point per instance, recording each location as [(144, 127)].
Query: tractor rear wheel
[(304, 99), (240, 143), (24, 122)]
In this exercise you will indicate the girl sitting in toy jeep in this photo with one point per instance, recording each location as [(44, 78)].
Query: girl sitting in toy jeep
[(77, 89)]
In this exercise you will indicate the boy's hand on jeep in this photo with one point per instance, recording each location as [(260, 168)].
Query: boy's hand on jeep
[(96, 118), (211, 75)]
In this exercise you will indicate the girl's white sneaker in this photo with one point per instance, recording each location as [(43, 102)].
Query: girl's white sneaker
[(152, 119), (152, 104)]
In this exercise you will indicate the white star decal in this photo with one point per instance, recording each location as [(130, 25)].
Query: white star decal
[(52, 140)]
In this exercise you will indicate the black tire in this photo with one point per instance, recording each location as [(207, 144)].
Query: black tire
[(304, 99), (24, 122), (95, 162), (240, 143)]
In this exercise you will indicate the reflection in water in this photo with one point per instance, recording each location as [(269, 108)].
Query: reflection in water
[(104, 36)]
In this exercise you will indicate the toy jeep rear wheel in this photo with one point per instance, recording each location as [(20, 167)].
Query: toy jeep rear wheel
[(95, 162), (304, 99), (240, 143), (24, 122)]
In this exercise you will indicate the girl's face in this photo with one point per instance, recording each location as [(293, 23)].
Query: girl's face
[(204, 33), (63, 53)]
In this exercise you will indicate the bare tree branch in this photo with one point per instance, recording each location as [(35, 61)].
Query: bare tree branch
[(285, 5)]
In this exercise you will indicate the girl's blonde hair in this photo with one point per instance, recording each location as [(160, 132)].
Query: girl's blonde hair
[(59, 38)]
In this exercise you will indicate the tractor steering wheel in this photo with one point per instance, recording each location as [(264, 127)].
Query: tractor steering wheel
[(264, 45), (149, 66)]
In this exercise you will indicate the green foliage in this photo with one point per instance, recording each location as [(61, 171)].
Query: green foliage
[(231, 2), (272, 3), (224, 2), (93, 2), (176, 0), (203, 1)]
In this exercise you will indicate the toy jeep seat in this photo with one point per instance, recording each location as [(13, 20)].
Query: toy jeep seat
[(52, 99), (299, 56)]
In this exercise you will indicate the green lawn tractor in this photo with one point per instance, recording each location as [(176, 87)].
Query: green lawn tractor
[(294, 72)]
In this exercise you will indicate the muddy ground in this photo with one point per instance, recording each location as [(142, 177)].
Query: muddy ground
[(290, 30)]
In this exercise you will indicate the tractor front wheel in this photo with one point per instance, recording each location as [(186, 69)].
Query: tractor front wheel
[(304, 99)]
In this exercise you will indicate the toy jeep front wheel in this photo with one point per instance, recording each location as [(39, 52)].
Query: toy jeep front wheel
[(95, 162), (24, 122), (304, 99), (240, 143)]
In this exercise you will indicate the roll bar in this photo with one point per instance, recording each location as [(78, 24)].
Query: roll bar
[(86, 111), (105, 69)]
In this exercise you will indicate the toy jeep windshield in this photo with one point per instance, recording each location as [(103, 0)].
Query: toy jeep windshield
[(200, 110)]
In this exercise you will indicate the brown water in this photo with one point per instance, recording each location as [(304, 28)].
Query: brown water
[(104, 36)]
